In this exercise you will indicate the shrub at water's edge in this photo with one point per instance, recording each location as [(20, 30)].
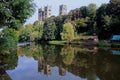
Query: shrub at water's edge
[(8, 39)]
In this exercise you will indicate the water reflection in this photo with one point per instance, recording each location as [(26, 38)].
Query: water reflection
[(45, 68), (8, 61), (3, 74), (67, 54), (50, 62)]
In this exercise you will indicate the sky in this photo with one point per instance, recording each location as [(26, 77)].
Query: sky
[(71, 4)]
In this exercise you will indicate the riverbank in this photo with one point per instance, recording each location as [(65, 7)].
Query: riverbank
[(99, 44)]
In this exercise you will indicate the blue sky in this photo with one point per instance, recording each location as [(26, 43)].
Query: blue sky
[(71, 4)]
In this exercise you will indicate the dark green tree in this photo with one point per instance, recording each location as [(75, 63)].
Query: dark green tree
[(115, 12), (81, 25), (83, 11), (115, 7), (59, 21), (8, 39), (103, 20), (91, 12), (15, 12), (49, 29)]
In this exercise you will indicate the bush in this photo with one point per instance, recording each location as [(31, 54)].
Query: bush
[(8, 39)]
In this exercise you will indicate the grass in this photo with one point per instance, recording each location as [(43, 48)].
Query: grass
[(57, 42), (77, 43), (99, 44), (65, 42)]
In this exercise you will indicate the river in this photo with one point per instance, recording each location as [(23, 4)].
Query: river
[(56, 62)]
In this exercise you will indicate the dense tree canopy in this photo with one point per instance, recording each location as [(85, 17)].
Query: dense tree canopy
[(15, 12), (49, 29), (115, 6), (8, 39)]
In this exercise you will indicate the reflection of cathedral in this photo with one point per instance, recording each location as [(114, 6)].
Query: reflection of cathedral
[(46, 69), (40, 65), (91, 63), (62, 71)]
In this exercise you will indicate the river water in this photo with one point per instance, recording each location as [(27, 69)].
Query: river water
[(56, 62)]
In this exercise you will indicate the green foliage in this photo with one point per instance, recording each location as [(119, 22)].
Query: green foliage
[(103, 20), (115, 7), (86, 20), (59, 21), (115, 12), (38, 29), (15, 12), (26, 32), (68, 32), (49, 29), (67, 54), (108, 19), (31, 51), (31, 32), (8, 39), (91, 10), (57, 42), (81, 25)]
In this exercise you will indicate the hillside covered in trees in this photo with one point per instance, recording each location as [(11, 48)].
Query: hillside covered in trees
[(86, 20)]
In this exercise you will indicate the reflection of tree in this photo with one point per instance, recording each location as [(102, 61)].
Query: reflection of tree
[(80, 65), (50, 54), (30, 51), (102, 64), (3, 74), (40, 64), (43, 67), (78, 60), (62, 71), (109, 65), (19, 51), (8, 60), (67, 54)]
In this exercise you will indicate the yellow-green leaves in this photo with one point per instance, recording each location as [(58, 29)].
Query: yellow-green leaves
[(68, 32)]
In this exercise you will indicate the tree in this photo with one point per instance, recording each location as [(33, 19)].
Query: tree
[(115, 7), (108, 19), (68, 32), (15, 12), (91, 12), (81, 25), (38, 29), (26, 33), (103, 20), (83, 11), (49, 29), (59, 21), (8, 39), (115, 12)]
